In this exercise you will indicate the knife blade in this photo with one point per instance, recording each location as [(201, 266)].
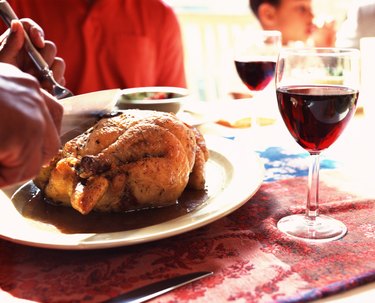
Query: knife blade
[(71, 128), (83, 111), (153, 290)]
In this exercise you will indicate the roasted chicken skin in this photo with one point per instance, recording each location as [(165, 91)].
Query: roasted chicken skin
[(138, 159)]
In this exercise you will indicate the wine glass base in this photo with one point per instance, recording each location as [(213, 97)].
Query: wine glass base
[(322, 229)]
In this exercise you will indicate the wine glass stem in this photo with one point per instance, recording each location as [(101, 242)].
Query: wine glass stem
[(313, 188), (254, 115)]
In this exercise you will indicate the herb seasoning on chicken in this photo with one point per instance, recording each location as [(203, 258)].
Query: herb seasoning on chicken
[(139, 159)]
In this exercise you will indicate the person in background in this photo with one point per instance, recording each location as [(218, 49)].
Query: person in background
[(294, 19), (111, 44), (360, 22), (30, 117)]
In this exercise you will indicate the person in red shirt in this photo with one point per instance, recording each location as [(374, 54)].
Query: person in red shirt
[(111, 43)]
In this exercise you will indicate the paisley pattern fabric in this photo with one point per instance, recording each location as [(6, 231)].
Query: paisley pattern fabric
[(251, 260)]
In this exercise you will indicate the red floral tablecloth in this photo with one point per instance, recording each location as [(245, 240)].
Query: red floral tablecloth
[(252, 261)]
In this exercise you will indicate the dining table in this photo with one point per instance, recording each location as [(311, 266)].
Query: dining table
[(262, 175)]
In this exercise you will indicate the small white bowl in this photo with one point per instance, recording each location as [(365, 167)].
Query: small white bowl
[(160, 98)]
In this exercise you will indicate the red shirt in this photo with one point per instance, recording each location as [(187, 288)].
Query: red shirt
[(111, 43)]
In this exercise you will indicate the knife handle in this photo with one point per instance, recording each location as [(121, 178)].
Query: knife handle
[(8, 14), (153, 290)]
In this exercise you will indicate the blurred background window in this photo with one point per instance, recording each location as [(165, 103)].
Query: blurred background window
[(209, 28)]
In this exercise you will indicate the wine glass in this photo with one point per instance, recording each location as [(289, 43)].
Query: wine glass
[(255, 55), (317, 91)]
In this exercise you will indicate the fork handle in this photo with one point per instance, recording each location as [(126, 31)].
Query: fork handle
[(7, 14)]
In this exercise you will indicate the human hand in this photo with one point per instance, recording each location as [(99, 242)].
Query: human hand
[(29, 125), (12, 51)]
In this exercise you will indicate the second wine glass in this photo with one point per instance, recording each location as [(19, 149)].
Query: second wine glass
[(255, 56)]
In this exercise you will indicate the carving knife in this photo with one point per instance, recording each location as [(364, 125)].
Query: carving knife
[(153, 290)]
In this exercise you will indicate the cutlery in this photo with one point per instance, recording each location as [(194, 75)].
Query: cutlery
[(153, 290), (83, 111), (60, 92)]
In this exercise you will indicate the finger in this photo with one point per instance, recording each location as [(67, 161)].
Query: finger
[(14, 175), (58, 68), (25, 170), (55, 109), (51, 138), (22, 163), (13, 43), (48, 52), (34, 31), (51, 143)]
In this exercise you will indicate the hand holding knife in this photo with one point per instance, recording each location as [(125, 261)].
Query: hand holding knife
[(60, 92)]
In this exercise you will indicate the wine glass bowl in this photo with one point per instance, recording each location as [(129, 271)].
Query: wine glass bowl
[(317, 92), (256, 75), (255, 57)]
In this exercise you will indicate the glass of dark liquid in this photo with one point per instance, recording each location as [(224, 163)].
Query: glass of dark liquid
[(255, 56), (317, 92)]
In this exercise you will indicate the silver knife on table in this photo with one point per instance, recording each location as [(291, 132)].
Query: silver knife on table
[(153, 290)]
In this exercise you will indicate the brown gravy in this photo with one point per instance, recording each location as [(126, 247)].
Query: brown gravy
[(31, 204)]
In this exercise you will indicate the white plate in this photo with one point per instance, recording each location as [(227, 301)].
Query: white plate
[(233, 176)]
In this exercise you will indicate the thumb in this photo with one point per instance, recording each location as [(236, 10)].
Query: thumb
[(13, 43)]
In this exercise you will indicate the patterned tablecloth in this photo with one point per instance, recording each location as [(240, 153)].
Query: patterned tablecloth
[(251, 260)]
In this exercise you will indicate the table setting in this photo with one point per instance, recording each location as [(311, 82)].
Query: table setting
[(251, 260), (237, 239), (231, 241)]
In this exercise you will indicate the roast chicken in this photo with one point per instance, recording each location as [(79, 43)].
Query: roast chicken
[(138, 159)]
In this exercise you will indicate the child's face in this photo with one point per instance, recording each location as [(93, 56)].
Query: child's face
[(294, 18)]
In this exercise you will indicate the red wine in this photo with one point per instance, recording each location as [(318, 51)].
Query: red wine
[(316, 115), (256, 74)]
